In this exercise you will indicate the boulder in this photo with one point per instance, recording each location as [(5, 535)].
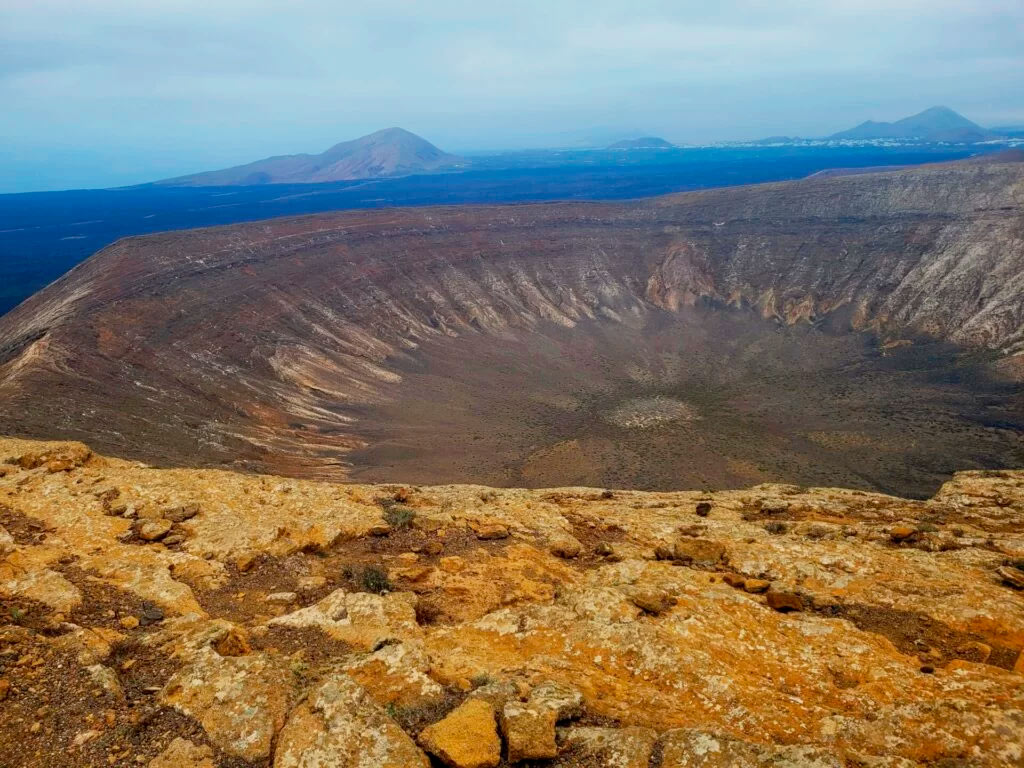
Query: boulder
[(73, 454), (466, 738), (975, 651), (362, 619), (734, 580), (6, 543), (529, 727), (282, 598), (529, 731), (773, 506), (605, 747), (234, 642), (700, 553), (565, 700), (397, 675), (340, 726), (241, 701)]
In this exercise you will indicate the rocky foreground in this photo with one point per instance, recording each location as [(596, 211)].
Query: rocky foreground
[(199, 618)]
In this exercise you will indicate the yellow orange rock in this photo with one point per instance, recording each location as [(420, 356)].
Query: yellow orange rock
[(515, 621), (607, 747), (235, 642), (466, 738), (529, 732), (241, 702), (339, 726), (182, 753)]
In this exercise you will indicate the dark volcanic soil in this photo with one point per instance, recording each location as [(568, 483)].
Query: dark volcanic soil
[(863, 330)]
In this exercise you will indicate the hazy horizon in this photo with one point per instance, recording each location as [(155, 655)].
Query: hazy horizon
[(102, 93)]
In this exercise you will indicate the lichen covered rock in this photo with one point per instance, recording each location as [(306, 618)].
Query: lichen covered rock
[(902, 653), (466, 738), (339, 726)]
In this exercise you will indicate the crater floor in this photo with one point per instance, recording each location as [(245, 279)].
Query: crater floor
[(705, 397)]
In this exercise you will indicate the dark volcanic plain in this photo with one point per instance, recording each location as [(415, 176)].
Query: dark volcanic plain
[(859, 330)]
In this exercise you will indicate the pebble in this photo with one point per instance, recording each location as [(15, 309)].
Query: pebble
[(784, 602), (150, 615), (311, 583), (654, 602), (452, 564), (774, 506), (1010, 576), (282, 598), (902, 532), (565, 546), (182, 513), (84, 737), (433, 548), (490, 531), (235, 642), (245, 562), (153, 530), (756, 586)]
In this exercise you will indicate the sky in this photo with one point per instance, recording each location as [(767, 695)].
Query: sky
[(99, 93)]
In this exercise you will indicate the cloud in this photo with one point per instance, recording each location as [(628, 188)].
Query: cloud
[(227, 81)]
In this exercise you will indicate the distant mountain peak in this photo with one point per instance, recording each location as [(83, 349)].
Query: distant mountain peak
[(643, 142), (937, 123), (388, 152)]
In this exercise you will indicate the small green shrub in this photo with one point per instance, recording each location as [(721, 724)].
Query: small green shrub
[(399, 516), (482, 679), (375, 580)]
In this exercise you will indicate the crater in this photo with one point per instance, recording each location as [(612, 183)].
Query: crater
[(858, 331)]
